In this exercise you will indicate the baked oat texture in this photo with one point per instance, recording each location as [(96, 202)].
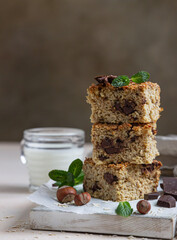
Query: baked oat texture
[(135, 103), (134, 143), (120, 182)]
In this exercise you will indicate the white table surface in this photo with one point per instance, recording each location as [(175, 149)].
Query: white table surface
[(15, 207)]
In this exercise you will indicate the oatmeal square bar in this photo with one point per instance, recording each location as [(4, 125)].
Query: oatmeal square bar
[(135, 103), (120, 182), (133, 143)]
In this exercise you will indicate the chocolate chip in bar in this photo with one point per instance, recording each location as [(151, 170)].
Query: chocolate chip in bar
[(170, 186), (118, 106), (112, 150), (110, 178), (151, 196), (106, 143), (166, 201), (129, 107)]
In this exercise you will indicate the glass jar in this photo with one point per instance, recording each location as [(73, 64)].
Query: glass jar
[(45, 149)]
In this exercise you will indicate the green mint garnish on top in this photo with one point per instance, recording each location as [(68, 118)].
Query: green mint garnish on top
[(72, 177), (124, 80), (140, 77), (120, 81), (124, 209)]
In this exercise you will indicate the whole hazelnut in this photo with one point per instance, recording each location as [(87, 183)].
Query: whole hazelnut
[(82, 198), (143, 206), (66, 194)]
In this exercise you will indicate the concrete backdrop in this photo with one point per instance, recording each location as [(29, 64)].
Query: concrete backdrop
[(50, 50)]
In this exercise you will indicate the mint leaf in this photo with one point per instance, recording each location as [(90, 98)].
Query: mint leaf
[(79, 179), (120, 81), (75, 167), (140, 77), (58, 175), (124, 209), (70, 179), (74, 176)]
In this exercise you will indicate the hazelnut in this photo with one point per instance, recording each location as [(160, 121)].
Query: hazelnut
[(143, 206), (82, 198), (66, 194)]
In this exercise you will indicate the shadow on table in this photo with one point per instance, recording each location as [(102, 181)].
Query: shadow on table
[(13, 189)]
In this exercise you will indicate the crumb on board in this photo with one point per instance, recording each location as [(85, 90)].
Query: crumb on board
[(96, 204)]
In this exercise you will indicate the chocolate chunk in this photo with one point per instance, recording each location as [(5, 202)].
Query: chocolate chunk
[(170, 183), (151, 196), (161, 185), (106, 143), (170, 186), (134, 138), (147, 168), (105, 79), (101, 79), (118, 107), (102, 157), (112, 150), (95, 187), (171, 193), (110, 78), (119, 143), (129, 107), (110, 178), (166, 201)]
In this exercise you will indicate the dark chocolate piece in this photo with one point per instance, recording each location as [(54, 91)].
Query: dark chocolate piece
[(150, 167), (119, 143), (166, 201), (118, 107), (170, 183), (110, 178), (106, 143), (112, 150), (172, 193), (95, 187), (170, 186), (101, 79), (102, 157), (105, 79), (161, 185), (129, 107), (151, 196), (110, 78), (134, 138)]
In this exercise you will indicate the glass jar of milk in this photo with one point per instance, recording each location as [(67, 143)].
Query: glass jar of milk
[(45, 149)]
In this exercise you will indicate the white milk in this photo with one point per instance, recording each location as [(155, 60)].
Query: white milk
[(45, 149), (41, 161)]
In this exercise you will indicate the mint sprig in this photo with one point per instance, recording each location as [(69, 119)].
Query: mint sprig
[(140, 77), (124, 209), (72, 177), (124, 80), (120, 81)]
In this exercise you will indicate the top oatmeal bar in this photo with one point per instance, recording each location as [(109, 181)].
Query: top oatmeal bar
[(134, 103)]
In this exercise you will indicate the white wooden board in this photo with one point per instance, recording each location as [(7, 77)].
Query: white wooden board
[(152, 226)]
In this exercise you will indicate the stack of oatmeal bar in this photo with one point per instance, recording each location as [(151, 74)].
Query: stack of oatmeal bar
[(122, 167)]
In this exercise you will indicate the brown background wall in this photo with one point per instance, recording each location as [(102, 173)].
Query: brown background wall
[(50, 50)]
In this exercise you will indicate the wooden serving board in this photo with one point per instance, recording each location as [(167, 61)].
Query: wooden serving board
[(137, 225)]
